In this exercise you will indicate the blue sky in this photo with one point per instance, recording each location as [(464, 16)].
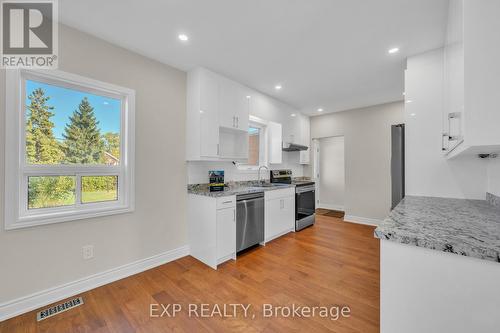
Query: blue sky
[(65, 101)]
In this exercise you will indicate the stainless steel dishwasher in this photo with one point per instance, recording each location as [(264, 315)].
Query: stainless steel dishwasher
[(249, 220)]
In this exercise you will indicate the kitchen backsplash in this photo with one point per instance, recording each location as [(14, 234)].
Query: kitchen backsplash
[(197, 172)]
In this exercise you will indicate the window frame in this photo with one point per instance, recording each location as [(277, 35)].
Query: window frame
[(263, 144), (17, 169)]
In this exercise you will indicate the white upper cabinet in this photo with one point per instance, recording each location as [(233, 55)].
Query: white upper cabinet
[(305, 139), (217, 118), (202, 127), (275, 137), (471, 76), (234, 105), (209, 104)]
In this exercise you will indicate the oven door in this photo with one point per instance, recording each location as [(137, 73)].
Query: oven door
[(305, 205)]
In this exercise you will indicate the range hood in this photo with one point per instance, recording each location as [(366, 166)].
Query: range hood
[(288, 146)]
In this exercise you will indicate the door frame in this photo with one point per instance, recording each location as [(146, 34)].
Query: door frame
[(316, 166)]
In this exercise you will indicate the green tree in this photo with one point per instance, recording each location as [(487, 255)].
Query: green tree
[(112, 143), (82, 136), (41, 145)]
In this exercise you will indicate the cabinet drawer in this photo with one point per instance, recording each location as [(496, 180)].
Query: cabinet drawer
[(226, 202), (275, 194)]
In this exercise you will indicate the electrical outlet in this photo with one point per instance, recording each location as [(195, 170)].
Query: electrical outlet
[(88, 252)]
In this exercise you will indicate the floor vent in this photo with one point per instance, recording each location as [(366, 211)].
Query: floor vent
[(56, 309)]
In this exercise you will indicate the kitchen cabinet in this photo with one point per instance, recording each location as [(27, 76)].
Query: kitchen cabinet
[(212, 228), (275, 138), (298, 132), (202, 129), (226, 234), (305, 139), (471, 71), (279, 213), (216, 118), (234, 105)]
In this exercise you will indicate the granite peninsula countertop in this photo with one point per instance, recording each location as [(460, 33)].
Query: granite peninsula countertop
[(464, 227), (235, 189)]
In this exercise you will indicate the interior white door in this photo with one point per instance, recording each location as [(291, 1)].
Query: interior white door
[(331, 173)]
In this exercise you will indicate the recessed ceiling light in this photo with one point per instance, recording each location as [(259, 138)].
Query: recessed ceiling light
[(248, 96), (393, 50), (183, 37), (278, 87), (320, 110), (409, 101), (404, 94), (293, 115), (413, 114)]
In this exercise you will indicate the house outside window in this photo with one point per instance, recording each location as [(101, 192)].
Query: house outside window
[(257, 145)]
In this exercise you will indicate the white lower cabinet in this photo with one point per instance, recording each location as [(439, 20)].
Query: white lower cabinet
[(212, 223), (226, 234), (212, 228), (279, 213)]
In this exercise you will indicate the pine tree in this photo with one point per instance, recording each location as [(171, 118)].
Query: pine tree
[(112, 143), (82, 137), (41, 146)]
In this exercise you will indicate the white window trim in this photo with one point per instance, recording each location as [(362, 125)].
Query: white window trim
[(263, 146), (16, 169)]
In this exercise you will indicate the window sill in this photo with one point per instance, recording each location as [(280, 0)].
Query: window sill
[(67, 216)]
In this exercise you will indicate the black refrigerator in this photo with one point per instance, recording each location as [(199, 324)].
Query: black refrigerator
[(397, 163)]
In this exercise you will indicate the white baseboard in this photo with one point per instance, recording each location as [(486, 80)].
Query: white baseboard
[(279, 235), (31, 302), (362, 220), (330, 206)]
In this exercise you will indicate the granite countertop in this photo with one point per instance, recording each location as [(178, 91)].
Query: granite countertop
[(464, 227), (235, 189)]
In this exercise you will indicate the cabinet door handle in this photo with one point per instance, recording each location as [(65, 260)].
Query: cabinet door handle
[(217, 149), (234, 121), (237, 122)]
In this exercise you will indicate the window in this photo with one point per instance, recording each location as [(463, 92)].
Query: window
[(253, 146), (69, 148), (257, 138)]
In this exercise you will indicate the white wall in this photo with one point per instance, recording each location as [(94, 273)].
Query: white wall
[(332, 174), (494, 176), (41, 257), (269, 109), (367, 135), (428, 172)]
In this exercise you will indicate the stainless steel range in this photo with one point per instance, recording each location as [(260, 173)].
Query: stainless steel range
[(305, 202)]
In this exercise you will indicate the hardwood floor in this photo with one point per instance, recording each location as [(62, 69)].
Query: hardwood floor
[(331, 263)]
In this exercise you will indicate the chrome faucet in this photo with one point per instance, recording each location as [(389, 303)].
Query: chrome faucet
[(263, 166)]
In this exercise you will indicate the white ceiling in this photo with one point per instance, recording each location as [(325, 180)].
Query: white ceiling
[(325, 53)]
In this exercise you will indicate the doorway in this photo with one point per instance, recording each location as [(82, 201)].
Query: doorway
[(329, 172)]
